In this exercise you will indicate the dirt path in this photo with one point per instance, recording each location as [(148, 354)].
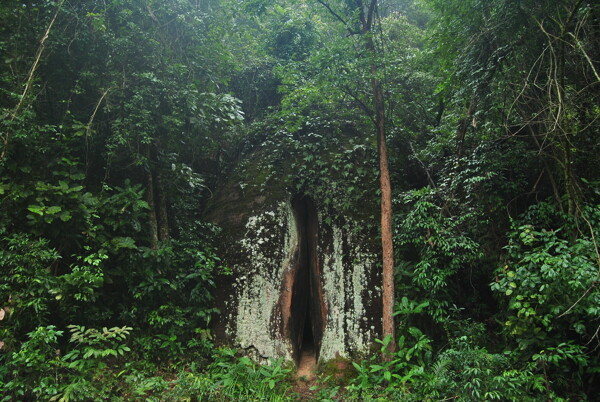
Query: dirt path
[(306, 376), (308, 365)]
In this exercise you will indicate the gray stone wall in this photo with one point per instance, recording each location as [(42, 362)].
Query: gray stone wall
[(256, 306)]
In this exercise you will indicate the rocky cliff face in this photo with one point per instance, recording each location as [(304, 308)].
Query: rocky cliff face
[(300, 236), (301, 279)]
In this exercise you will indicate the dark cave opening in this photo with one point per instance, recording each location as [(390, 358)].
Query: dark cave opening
[(307, 312), (308, 340)]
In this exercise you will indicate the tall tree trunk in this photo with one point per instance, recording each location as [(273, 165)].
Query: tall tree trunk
[(153, 221), (163, 218), (367, 11), (463, 125), (152, 210), (387, 245)]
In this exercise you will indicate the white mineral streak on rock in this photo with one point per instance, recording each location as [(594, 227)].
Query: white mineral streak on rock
[(258, 296), (359, 339), (334, 336)]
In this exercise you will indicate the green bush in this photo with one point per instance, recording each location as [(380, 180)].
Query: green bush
[(26, 286), (231, 378), (548, 282), (33, 370), (39, 369)]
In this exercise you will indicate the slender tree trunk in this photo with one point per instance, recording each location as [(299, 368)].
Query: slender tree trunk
[(367, 11), (387, 245), (464, 125), (163, 218), (153, 221), (38, 55), (152, 212)]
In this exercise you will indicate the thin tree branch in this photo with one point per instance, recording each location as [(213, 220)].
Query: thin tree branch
[(429, 179), (88, 129), (38, 56), (368, 111), (580, 47), (89, 125), (337, 16)]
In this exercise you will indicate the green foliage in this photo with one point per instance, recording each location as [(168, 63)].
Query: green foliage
[(122, 98), (234, 378), (171, 289), (466, 372), (547, 282), (119, 215), (39, 369), (403, 368), (326, 161), (119, 120), (444, 247), (33, 369), (26, 285), (261, 381), (31, 291), (327, 392), (463, 371), (95, 344)]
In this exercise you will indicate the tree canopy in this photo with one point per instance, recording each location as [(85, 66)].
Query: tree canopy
[(475, 121)]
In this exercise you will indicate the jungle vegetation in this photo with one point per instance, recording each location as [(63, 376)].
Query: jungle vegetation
[(121, 118)]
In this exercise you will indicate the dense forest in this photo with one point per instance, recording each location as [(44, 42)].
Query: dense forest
[(464, 134)]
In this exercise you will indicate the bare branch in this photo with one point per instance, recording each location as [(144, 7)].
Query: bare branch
[(38, 56), (429, 178), (338, 17), (587, 57)]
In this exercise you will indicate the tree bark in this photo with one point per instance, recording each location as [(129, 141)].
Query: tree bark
[(367, 15), (153, 221), (464, 125), (163, 218), (387, 245)]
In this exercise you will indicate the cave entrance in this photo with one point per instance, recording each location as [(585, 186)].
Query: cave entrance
[(307, 312)]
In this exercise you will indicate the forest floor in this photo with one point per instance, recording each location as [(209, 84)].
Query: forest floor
[(306, 376), (308, 365), (310, 387)]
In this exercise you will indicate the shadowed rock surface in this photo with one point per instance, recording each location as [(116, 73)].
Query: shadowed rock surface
[(305, 276)]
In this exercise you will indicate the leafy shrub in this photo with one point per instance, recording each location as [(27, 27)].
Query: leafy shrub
[(234, 378), (548, 282), (260, 382), (396, 375), (467, 372), (443, 248), (39, 370), (32, 371), (170, 294), (26, 285)]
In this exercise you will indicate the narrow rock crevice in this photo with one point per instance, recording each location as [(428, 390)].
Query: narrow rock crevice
[(307, 314)]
